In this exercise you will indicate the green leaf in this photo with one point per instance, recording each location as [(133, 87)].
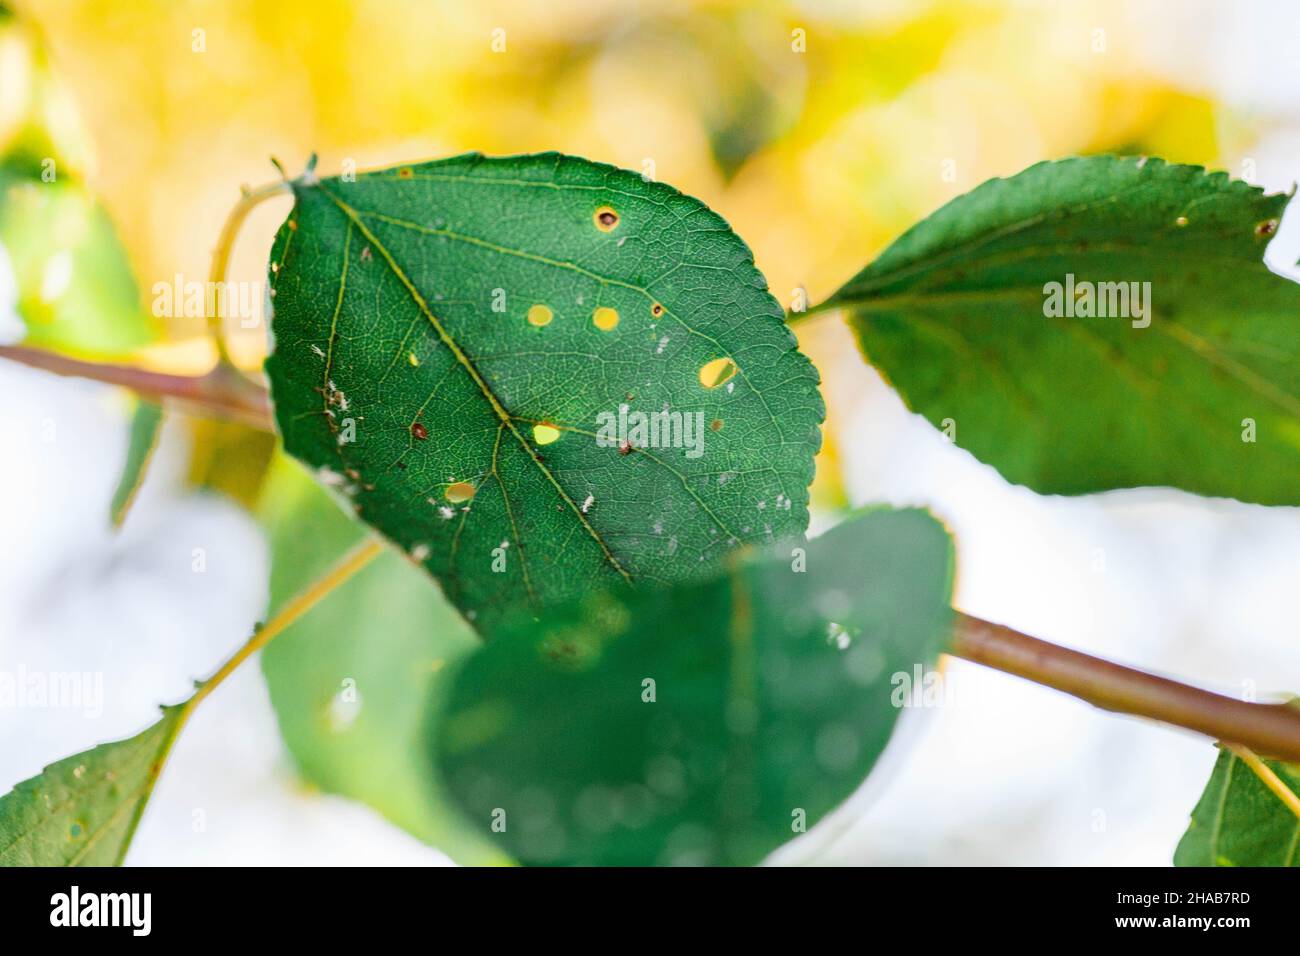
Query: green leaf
[(1239, 821), (76, 291), (953, 314), (83, 810), (384, 291), (351, 686), (146, 426), (772, 699)]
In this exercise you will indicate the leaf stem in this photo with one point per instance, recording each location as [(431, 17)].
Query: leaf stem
[(221, 257), (1271, 729), (222, 393), (299, 605)]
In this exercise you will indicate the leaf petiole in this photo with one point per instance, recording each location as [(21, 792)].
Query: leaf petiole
[(299, 605), (221, 256)]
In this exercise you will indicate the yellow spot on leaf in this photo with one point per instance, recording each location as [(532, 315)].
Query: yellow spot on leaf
[(459, 491), (413, 359), (540, 315), (717, 372), (605, 318), (544, 433)]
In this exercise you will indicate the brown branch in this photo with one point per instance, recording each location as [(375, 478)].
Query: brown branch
[(221, 393), (1270, 729)]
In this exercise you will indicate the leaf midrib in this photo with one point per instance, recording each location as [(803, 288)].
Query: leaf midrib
[(464, 360)]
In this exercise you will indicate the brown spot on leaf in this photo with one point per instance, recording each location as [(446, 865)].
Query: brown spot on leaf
[(606, 219)]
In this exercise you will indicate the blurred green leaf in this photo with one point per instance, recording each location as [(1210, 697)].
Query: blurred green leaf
[(702, 723), (351, 685), (76, 291), (83, 810), (394, 376), (1203, 399), (146, 426), (1239, 821)]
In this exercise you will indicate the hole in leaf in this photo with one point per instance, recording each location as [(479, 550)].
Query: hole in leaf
[(605, 318), (544, 433), (606, 219), (540, 315), (459, 491), (717, 372)]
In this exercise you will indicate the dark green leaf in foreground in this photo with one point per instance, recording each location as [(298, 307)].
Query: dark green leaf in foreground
[(1206, 397), (703, 723), (146, 426), (449, 335), (1239, 821), (83, 810), (351, 684)]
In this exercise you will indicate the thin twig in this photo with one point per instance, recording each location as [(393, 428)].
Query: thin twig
[(221, 393), (1271, 729), (299, 605)]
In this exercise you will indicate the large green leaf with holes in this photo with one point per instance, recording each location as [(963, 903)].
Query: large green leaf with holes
[(703, 723), (1242, 821), (83, 810), (1198, 389), (465, 349)]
